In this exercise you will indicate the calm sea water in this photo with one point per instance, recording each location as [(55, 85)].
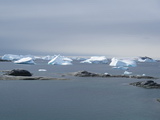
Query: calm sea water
[(78, 98)]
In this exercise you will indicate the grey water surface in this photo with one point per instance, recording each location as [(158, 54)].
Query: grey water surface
[(85, 98)]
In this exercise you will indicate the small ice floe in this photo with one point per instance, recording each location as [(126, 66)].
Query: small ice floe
[(127, 73), (42, 70), (106, 73), (146, 59), (27, 60), (60, 60), (96, 59), (143, 74), (121, 68), (122, 63)]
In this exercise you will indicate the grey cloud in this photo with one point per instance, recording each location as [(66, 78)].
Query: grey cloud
[(82, 27)]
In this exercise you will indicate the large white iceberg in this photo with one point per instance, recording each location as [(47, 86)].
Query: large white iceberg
[(121, 63), (146, 59), (96, 59), (60, 60), (27, 60)]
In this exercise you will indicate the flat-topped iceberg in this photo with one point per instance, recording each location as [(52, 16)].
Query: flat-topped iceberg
[(96, 59), (146, 59), (122, 63), (27, 60), (60, 60)]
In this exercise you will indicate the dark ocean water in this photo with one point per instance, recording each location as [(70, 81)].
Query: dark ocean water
[(78, 98)]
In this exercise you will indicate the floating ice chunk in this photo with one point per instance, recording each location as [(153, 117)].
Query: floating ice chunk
[(106, 73), (143, 74), (127, 73), (59, 60), (122, 63), (121, 68), (96, 59), (42, 70), (146, 59), (27, 60)]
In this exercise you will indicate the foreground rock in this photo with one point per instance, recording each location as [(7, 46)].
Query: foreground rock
[(90, 74), (18, 72), (146, 84), (9, 77)]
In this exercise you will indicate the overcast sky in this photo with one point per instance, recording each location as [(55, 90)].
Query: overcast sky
[(80, 27)]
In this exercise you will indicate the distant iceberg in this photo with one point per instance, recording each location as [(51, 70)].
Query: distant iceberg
[(13, 57), (60, 60), (122, 63), (48, 57), (27, 60), (79, 58), (96, 59), (146, 59)]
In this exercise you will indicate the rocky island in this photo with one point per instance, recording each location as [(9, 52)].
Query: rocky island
[(146, 84), (18, 74), (90, 74)]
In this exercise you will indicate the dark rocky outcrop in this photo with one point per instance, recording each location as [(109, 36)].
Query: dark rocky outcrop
[(1, 60), (18, 72), (158, 99), (146, 84), (90, 74)]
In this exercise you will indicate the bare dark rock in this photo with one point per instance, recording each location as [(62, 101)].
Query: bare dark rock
[(146, 84), (85, 74), (1, 60), (90, 74), (18, 72)]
